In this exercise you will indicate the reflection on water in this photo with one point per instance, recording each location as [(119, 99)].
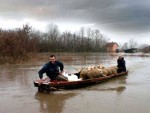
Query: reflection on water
[(116, 84), (18, 93), (119, 89), (53, 103)]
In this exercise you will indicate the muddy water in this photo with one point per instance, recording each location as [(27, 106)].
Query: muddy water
[(126, 94)]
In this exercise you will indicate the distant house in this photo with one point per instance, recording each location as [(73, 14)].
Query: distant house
[(111, 47), (132, 50), (146, 49)]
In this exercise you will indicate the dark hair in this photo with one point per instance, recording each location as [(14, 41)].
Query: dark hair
[(52, 56)]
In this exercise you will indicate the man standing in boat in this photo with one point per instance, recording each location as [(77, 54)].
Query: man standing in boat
[(121, 64), (53, 70)]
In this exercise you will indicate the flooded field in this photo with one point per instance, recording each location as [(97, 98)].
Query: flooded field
[(125, 94)]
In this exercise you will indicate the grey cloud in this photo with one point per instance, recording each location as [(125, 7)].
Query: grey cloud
[(115, 15), (131, 17)]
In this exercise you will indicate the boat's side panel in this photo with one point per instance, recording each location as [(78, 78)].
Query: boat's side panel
[(75, 84)]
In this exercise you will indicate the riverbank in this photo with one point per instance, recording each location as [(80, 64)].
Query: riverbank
[(33, 59), (40, 58)]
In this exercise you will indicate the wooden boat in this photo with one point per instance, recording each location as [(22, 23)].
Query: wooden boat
[(59, 85)]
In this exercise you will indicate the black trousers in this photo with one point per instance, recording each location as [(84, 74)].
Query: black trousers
[(121, 69)]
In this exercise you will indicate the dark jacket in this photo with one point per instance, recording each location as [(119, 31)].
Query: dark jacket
[(121, 65), (51, 70)]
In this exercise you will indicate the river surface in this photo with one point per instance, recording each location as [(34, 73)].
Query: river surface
[(125, 94)]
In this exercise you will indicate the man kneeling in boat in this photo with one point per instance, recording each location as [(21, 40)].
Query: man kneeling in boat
[(121, 64), (53, 70)]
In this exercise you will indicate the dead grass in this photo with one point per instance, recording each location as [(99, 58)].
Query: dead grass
[(33, 58), (65, 58)]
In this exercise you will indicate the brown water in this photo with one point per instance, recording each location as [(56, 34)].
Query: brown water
[(125, 94)]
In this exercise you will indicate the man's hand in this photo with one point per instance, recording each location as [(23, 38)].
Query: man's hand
[(61, 73), (41, 81)]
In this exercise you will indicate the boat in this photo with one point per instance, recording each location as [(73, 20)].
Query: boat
[(60, 85)]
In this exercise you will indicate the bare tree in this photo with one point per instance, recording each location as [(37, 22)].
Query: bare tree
[(132, 44), (125, 46), (52, 36)]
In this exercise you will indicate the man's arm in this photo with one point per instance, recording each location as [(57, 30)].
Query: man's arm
[(42, 71), (117, 63), (61, 65)]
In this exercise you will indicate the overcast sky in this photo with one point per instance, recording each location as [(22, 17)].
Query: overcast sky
[(120, 20)]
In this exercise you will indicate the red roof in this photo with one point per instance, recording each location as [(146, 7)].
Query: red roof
[(110, 44)]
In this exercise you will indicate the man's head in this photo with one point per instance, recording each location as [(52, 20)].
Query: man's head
[(120, 57), (52, 58)]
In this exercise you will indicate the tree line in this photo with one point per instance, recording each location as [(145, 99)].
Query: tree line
[(16, 43), (133, 44)]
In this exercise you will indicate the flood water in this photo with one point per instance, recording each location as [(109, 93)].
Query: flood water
[(125, 94)]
